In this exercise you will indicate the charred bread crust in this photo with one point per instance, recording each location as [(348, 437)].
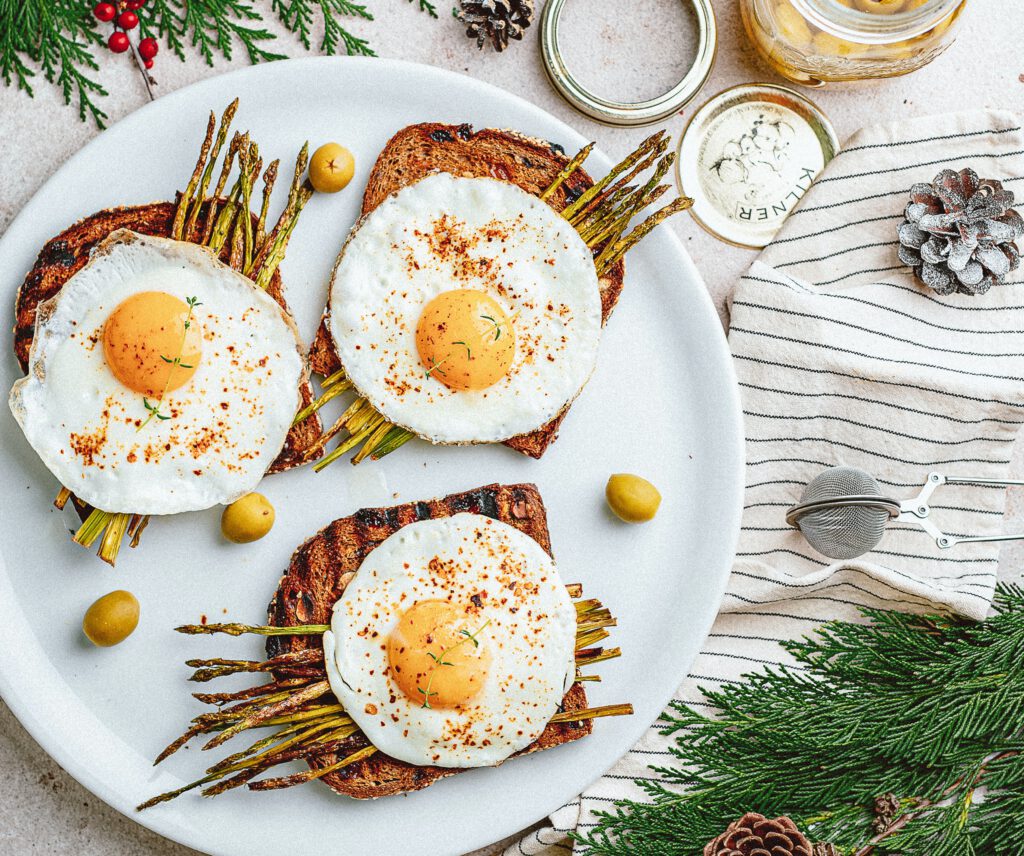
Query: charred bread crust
[(66, 254), (322, 567), (532, 164)]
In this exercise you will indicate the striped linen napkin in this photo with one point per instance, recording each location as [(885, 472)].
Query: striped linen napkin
[(843, 358)]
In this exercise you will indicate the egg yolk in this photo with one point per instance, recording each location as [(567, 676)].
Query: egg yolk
[(147, 345), (438, 654), (465, 339)]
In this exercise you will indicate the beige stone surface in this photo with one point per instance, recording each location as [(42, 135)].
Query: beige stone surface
[(627, 50)]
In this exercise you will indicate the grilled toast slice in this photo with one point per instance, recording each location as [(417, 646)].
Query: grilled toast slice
[(532, 164), (322, 567), (66, 254)]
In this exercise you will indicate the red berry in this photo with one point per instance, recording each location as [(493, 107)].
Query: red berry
[(104, 11), (128, 20), (135, 5), (148, 63), (118, 42), (148, 48)]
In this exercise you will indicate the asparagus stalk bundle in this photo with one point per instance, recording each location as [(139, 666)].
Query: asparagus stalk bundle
[(306, 719), (223, 222), (601, 215)]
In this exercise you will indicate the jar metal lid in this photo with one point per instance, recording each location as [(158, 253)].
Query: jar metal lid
[(747, 157), (625, 113)]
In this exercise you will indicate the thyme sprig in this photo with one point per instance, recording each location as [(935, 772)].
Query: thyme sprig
[(440, 659), (175, 362)]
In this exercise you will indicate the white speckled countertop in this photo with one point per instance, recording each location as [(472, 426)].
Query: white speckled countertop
[(44, 811)]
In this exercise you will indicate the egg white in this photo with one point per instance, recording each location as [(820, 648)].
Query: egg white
[(443, 233), (228, 422), (530, 638)]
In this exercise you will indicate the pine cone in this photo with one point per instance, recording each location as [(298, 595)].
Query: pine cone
[(959, 233), (756, 835), (497, 20)]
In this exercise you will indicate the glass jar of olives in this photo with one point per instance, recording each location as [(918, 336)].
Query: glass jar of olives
[(814, 42)]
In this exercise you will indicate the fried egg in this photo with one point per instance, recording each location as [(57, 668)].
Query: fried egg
[(160, 380), (453, 644), (466, 310)]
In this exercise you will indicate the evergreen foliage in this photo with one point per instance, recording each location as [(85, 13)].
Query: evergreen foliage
[(928, 708), (59, 38)]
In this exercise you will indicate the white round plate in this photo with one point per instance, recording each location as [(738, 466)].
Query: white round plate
[(663, 403)]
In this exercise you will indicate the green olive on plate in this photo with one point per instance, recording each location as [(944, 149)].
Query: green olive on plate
[(331, 168), (247, 519), (111, 619), (632, 498)]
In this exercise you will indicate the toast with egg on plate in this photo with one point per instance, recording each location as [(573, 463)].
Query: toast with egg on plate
[(349, 592), (64, 255), (207, 214), (532, 164)]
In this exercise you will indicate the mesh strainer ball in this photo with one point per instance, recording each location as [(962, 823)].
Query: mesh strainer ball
[(847, 514)]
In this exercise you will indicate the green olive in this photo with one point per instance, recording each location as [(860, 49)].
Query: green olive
[(247, 519), (632, 498), (331, 168), (111, 619)]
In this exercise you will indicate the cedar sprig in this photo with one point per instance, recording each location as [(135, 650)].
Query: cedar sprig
[(299, 17), (928, 708), (57, 38)]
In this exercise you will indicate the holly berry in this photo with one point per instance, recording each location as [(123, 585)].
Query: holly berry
[(148, 48), (104, 12), (148, 63), (118, 42), (135, 5), (127, 20)]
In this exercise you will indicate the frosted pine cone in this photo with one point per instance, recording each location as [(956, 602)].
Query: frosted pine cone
[(959, 233), (754, 834), (497, 20)]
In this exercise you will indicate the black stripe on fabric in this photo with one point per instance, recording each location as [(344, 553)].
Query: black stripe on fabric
[(919, 165), (651, 752), (700, 677), (904, 192), (837, 228), (773, 504), (823, 586), (782, 550), (767, 529), (852, 603), (745, 638), (860, 273), (959, 307), (795, 667), (854, 353), (785, 615), (872, 331), (862, 379), (795, 285), (875, 305), (988, 574), (914, 579), (881, 455), (774, 481), (836, 253), (962, 135), (946, 559), (902, 434), (880, 403)]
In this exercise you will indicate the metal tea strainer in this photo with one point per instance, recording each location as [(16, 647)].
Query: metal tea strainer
[(843, 513)]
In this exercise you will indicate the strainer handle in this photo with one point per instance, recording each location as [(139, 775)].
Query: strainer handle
[(997, 482), (946, 541)]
